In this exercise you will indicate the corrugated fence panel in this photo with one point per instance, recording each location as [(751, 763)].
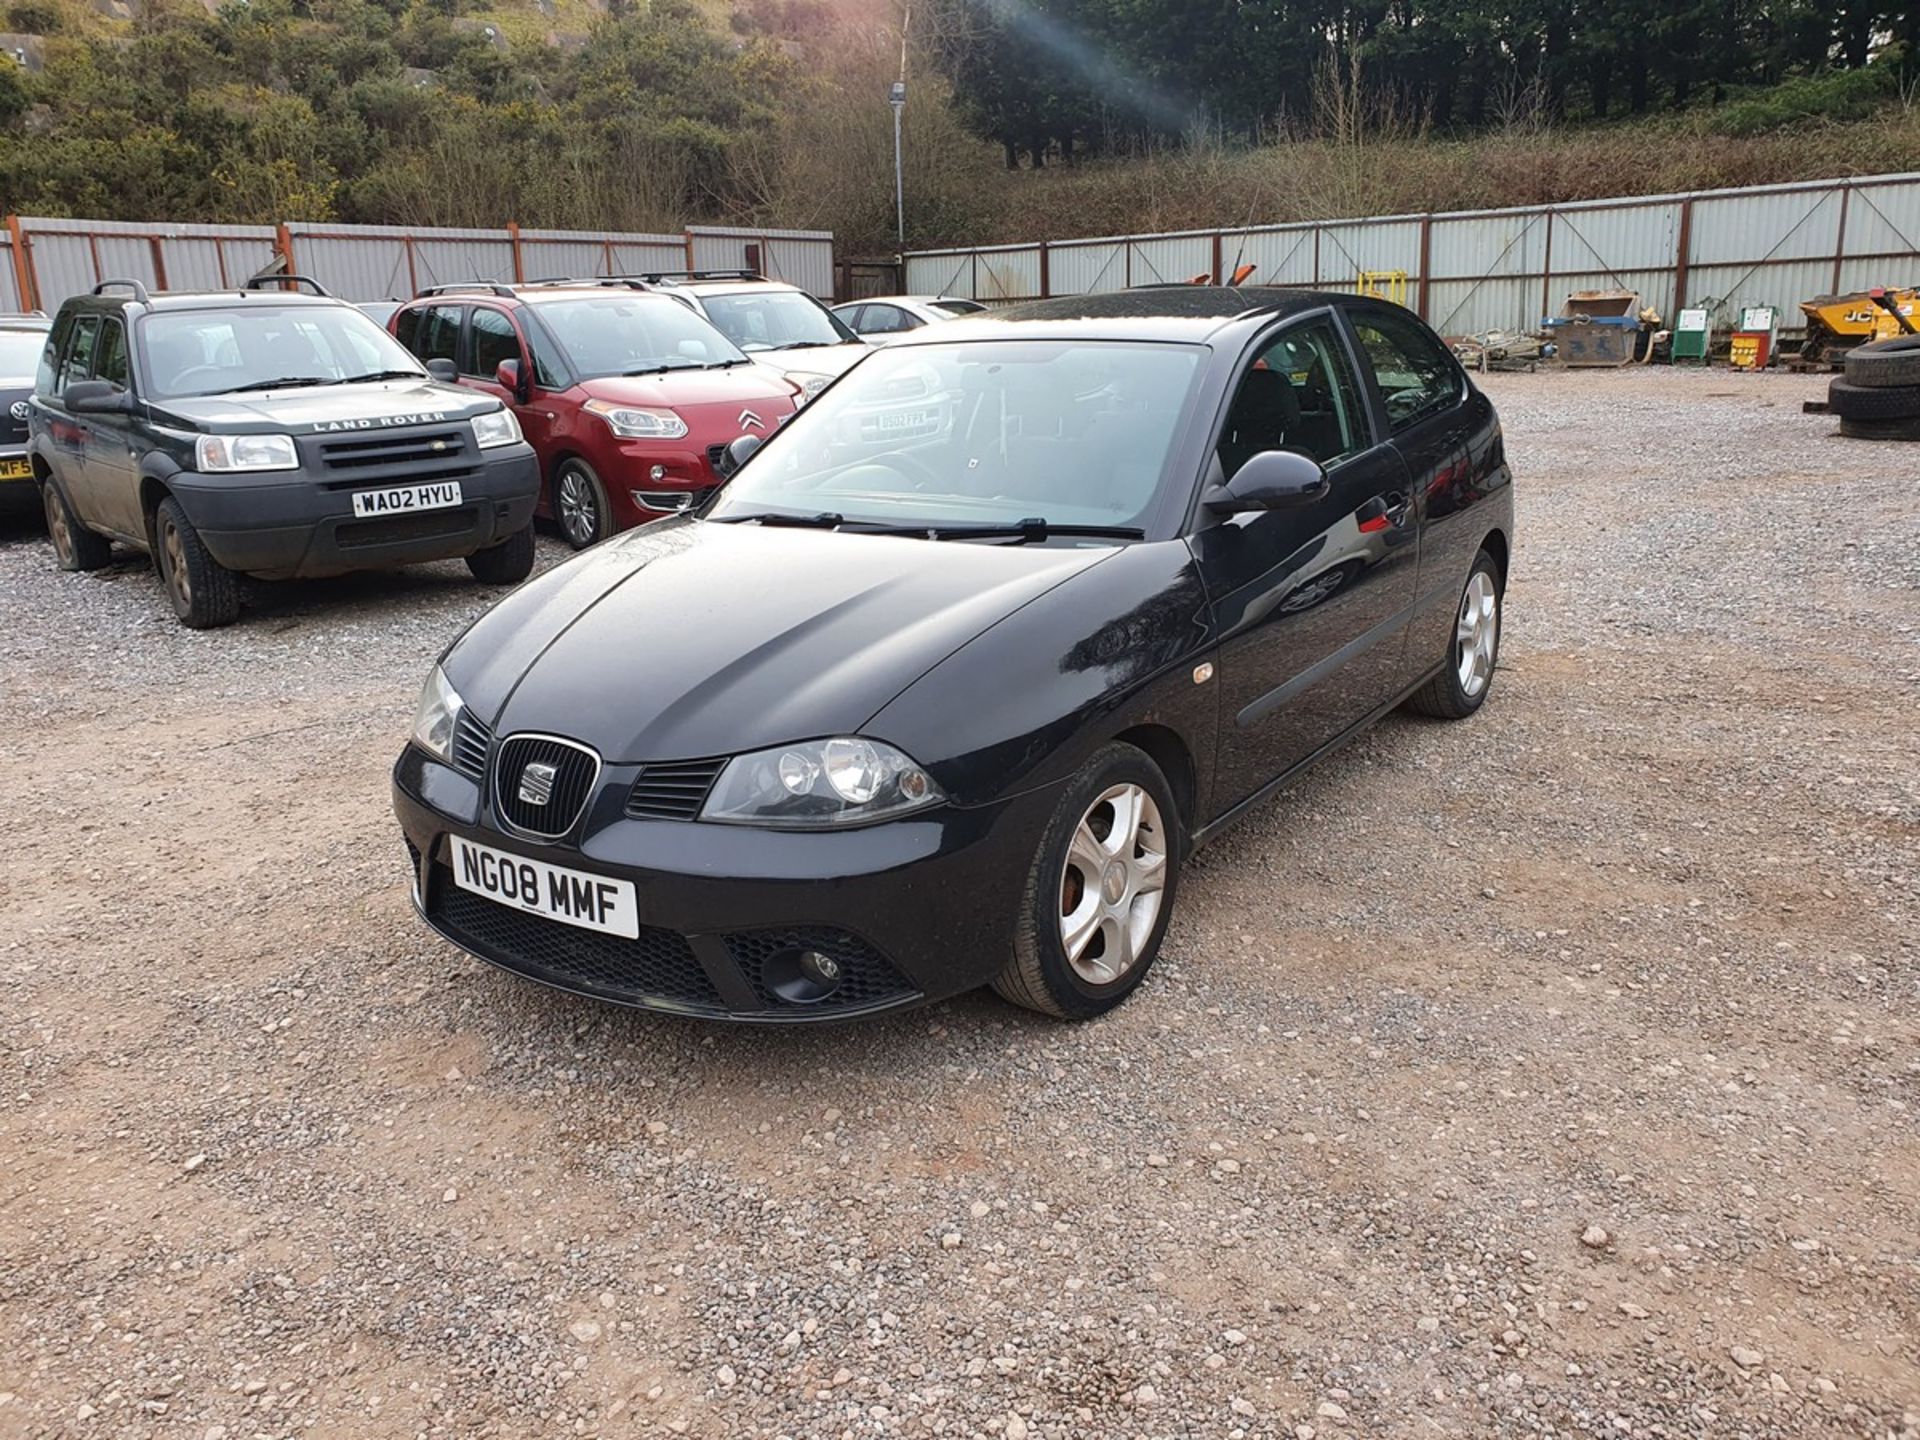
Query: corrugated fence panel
[(1086, 269), (1002, 276), (208, 264), (357, 268), (1470, 307), (1474, 246), (1885, 220), (62, 266), (1626, 237), (942, 272), (1781, 285), (1347, 249), (1794, 225), (1170, 259), (1278, 257), (647, 256), (562, 259), (10, 298), (799, 257), (443, 262)]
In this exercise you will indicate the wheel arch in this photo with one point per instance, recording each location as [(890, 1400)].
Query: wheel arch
[(1496, 544), (1166, 748)]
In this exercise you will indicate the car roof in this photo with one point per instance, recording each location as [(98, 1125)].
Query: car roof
[(1189, 313), (205, 299)]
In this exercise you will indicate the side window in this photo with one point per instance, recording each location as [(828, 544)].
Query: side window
[(854, 317), (110, 354), (77, 362), (1299, 394), (44, 382), (1417, 376), (885, 320), (494, 340), (406, 329), (439, 333)]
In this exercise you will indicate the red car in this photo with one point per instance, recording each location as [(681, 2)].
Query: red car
[(628, 397)]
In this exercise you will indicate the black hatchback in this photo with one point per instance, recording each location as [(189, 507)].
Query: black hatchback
[(966, 659), (271, 434)]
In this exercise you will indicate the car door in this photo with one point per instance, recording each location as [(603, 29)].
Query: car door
[(70, 434), (1310, 602), (111, 459), (1433, 415), (492, 337)]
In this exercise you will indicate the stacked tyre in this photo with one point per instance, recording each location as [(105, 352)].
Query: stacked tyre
[(1879, 396)]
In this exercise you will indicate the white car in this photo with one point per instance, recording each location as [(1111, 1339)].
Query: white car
[(881, 318), (780, 325)]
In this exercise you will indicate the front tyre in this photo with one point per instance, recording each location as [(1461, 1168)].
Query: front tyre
[(1474, 651), (74, 546), (1100, 892), (580, 505), (205, 594), (507, 563)]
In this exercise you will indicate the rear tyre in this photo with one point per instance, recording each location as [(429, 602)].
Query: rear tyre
[(205, 594), (1473, 652), (580, 505), (1906, 429), (1100, 891), (74, 546), (1873, 402), (1883, 363), (507, 563)]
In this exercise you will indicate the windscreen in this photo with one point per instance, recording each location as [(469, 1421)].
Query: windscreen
[(20, 353), (209, 352), (1075, 433), (775, 320), (634, 335), (959, 307)]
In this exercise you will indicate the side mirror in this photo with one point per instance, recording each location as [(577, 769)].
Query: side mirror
[(740, 451), (445, 371), (98, 397), (1270, 480), (508, 377)]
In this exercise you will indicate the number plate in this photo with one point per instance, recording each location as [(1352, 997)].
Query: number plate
[(19, 468), (404, 499), (573, 897)]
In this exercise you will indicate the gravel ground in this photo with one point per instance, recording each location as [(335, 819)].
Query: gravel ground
[(1551, 1074)]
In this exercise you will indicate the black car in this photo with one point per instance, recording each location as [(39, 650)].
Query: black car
[(968, 657), (266, 433), (22, 338)]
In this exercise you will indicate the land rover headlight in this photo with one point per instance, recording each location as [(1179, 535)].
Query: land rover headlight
[(226, 454), (820, 784), (433, 722), (495, 428)]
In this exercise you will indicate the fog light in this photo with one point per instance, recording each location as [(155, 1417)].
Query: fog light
[(658, 472), (671, 501), (802, 977), (823, 970)]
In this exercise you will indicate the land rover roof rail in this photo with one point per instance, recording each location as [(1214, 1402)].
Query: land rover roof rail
[(490, 287), (139, 290), (605, 282), (260, 282), (670, 277)]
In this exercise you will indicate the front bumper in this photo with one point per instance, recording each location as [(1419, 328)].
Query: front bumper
[(288, 524), (912, 910)]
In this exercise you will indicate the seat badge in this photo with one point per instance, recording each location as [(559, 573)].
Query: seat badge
[(536, 784)]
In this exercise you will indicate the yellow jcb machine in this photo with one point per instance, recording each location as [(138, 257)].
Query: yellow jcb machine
[(1837, 323)]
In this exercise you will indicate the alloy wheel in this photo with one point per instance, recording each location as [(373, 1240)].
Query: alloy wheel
[(1476, 635), (1113, 883), (173, 558), (579, 507), (57, 530)]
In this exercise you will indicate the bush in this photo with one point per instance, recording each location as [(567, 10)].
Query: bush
[(1840, 95), (34, 17)]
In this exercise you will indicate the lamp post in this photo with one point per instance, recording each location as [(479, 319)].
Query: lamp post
[(897, 98)]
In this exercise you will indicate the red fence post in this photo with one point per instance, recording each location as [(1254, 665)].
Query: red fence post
[(1426, 261), (283, 242), (513, 239), (1684, 258), (158, 250), (25, 285), (1546, 271), (1046, 271), (1840, 236)]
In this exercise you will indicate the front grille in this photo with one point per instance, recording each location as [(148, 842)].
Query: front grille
[(471, 738), (673, 790), (399, 529), (574, 771), (866, 976), (660, 965), (386, 451), (717, 460)]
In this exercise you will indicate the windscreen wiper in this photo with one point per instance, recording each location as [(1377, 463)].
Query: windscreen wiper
[(285, 382), (826, 520), (726, 364), (1033, 530), (807, 344), (663, 369), (373, 375)]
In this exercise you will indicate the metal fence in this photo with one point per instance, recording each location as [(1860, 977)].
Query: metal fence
[(46, 260), (1472, 271)]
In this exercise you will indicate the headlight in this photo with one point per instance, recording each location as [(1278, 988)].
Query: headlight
[(433, 722), (632, 423), (810, 385), (496, 428), (818, 784), (221, 454)]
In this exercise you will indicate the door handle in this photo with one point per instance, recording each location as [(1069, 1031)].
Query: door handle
[(1382, 512)]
